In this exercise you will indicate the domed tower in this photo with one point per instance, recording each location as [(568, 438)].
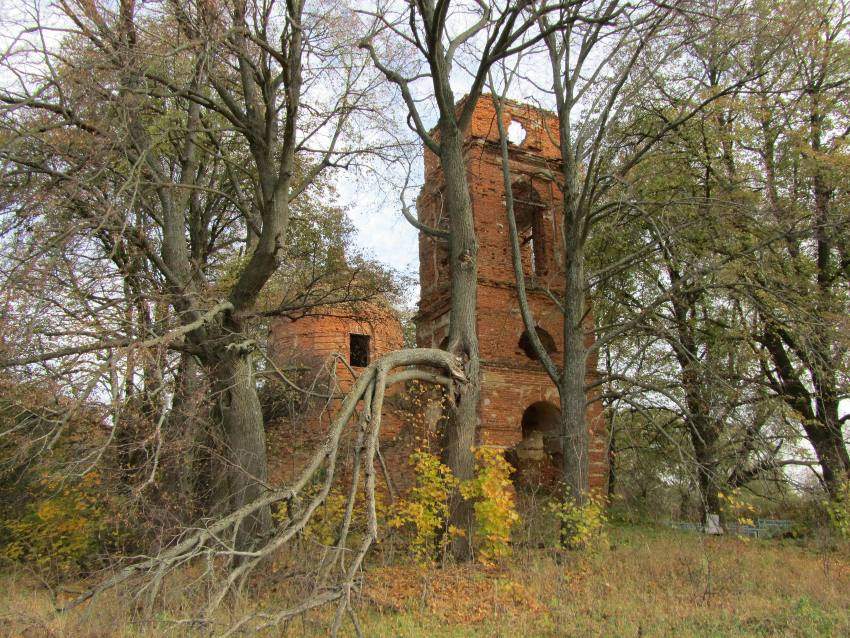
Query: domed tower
[(518, 409), (358, 333), (323, 351)]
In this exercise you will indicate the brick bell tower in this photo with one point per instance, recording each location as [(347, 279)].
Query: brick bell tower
[(519, 403)]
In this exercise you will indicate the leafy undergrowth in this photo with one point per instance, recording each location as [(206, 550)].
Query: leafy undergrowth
[(648, 582)]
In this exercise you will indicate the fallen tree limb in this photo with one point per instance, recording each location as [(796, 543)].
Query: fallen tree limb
[(424, 364)]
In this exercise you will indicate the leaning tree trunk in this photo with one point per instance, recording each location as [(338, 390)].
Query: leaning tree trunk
[(459, 437), (818, 409), (244, 440)]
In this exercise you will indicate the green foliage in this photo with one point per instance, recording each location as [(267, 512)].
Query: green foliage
[(62, 528), (583, 526), (495, 506), (838, 510)]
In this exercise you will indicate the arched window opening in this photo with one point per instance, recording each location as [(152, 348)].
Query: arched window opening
[(546, 340)]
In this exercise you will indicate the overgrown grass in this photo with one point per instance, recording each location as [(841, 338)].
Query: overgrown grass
[(649, 582)]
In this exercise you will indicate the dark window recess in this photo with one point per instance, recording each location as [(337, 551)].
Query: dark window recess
[(545, 339), (530, 221), (358, 350)]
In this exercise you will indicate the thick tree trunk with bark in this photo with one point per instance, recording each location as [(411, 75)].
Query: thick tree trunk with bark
[(459, 437), (572, 386), (704, 442), (245, 443), (188, 426)]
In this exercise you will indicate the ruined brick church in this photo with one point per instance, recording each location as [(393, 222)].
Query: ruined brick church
[(518, 410)]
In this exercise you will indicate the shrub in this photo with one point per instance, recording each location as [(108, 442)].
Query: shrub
[(838, 510), (62, 527), (324, 526), (495, 506), (425, 510), (583, 526), (733, 507)]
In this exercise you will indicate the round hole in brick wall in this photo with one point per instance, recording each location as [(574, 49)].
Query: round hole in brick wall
[(516, 133), (545, 339)]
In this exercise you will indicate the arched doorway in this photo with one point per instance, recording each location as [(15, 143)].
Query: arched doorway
[(538, 456)]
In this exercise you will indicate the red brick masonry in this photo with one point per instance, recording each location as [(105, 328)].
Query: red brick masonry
[(518, 400)]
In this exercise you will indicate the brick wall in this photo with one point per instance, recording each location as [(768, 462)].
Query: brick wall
[(305, 345), (511, 381), (312, 340)]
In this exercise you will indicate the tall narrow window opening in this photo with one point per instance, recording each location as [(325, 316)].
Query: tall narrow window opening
[(358, 350), (529, 211)]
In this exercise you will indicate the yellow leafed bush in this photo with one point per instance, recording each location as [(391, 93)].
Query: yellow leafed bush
[(495, 505), (583, 526), (62, 527), (325, 525), (425, 510), (736, 508)]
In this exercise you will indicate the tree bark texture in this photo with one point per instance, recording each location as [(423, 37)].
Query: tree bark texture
[(245, 443), (459, 437), (571, 388)]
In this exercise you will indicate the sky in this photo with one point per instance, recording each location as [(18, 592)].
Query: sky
[(382, 233)]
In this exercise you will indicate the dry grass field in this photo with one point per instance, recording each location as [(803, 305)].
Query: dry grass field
[(649, 582)]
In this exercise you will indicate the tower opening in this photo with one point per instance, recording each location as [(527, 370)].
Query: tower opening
[(529, 211), (516, 133), (546, 340), (539, 453), (358, 350)]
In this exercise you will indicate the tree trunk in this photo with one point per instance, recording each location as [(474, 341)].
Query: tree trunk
[(827, 438), (245, 443), (704, 443), (818, 410), (459, 437), (573, 398), (612, 462), (188, 431), (831, 451)]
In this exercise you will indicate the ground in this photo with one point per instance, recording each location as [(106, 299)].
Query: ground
[(649, 582)]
